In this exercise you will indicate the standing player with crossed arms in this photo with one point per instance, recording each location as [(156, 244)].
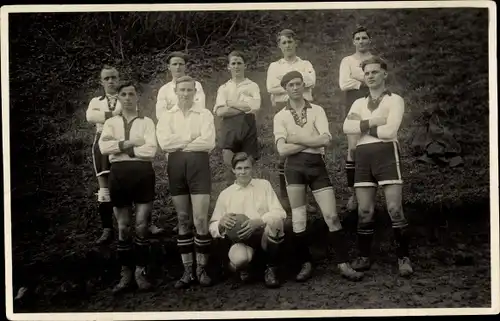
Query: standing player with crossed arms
[(99, 110), (301, 134), (130, 142), (377, 119), (187, 133), (288, 44), (352, 83), (238, 100)]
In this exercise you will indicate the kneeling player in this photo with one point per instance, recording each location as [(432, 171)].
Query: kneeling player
[(377, 119), (237, 102), (187, 133), (301, 133), (256, 199), (130, 142)]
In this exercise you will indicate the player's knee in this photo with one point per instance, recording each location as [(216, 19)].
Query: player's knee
[(103, 195), (275, 227), (299, 219), (123, 230), (201, 223), (240, 256), (395, 211), (365, 213), (141, 228)]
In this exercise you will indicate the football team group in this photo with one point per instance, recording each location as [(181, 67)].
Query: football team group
[(248, 213)]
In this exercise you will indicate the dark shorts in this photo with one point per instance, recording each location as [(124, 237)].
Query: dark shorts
[(101, 162), (131, 182), (189, 173), (377, 164), (307, 169), (239, 134), (351, 96)]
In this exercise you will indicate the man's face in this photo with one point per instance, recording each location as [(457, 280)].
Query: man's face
[(128, 98), (236, 66), (288, 46), (109, 80), (361, 41), (243, 172), (177, 67), (295, 88), (185, 92), (374, 75)]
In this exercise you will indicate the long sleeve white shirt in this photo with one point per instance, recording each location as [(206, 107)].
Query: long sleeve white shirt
[(391, 107), (350, 66), (245, 91), (167, 98), (196, 129), (99, 110), (117, 130), (279, 68), (256, 200)]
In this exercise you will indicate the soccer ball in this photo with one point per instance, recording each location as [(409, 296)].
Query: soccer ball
[(233, 232)]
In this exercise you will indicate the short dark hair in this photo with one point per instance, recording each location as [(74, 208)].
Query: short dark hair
[(185, 79), (286, 33), (241, 157), (360, 29), (374, 60), (178, 54), (236, 53), (109, 67), (128, 83)]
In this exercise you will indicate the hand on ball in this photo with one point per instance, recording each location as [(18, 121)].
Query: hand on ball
[(228, 221), (248, 227)]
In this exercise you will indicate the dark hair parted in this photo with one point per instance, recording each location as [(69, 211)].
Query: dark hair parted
[(286, 33), (374, 60), (128, 83), (241, 157), (236, 53), (360, 29), (178, 54)]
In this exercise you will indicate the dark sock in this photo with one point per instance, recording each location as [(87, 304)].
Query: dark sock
[(401, 238), (106, 214), (125, 254), (202, 245), (365, 238), (339, 244), (141, 251), (273, 250), (349, 169), (281, 173), (301, 245), (185, 243)]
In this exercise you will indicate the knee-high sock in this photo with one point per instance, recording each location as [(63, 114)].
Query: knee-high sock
[(273, 250), (125, 254), (301, 245), (202, 245), (185, 244), (339, 243), (141, 251), (365, 238), (349, 169)]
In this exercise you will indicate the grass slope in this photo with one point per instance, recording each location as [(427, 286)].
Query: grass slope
[(438, 62)]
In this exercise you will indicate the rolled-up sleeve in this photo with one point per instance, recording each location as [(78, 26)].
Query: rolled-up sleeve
[(148, 150), (275, 210), (206, 141)]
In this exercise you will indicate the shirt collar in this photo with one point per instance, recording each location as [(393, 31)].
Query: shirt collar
[(193, 108), (283, 61), (307, 105), (243, 82), (239, 187)]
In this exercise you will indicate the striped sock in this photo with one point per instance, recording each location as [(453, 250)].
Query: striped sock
[(365, 238), (349, 168), (141, 251), (185, 244), (125, 254), (401, 238), (202, 245)]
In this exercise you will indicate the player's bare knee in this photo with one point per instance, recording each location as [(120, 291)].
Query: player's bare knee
[(141, 228), (275, 227), (238, 257), (201, 224), (365, 213), (395, 211)]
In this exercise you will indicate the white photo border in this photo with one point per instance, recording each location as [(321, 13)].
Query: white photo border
[(493, 132)]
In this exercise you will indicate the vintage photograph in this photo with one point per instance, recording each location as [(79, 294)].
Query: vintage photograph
[(246, 160)]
